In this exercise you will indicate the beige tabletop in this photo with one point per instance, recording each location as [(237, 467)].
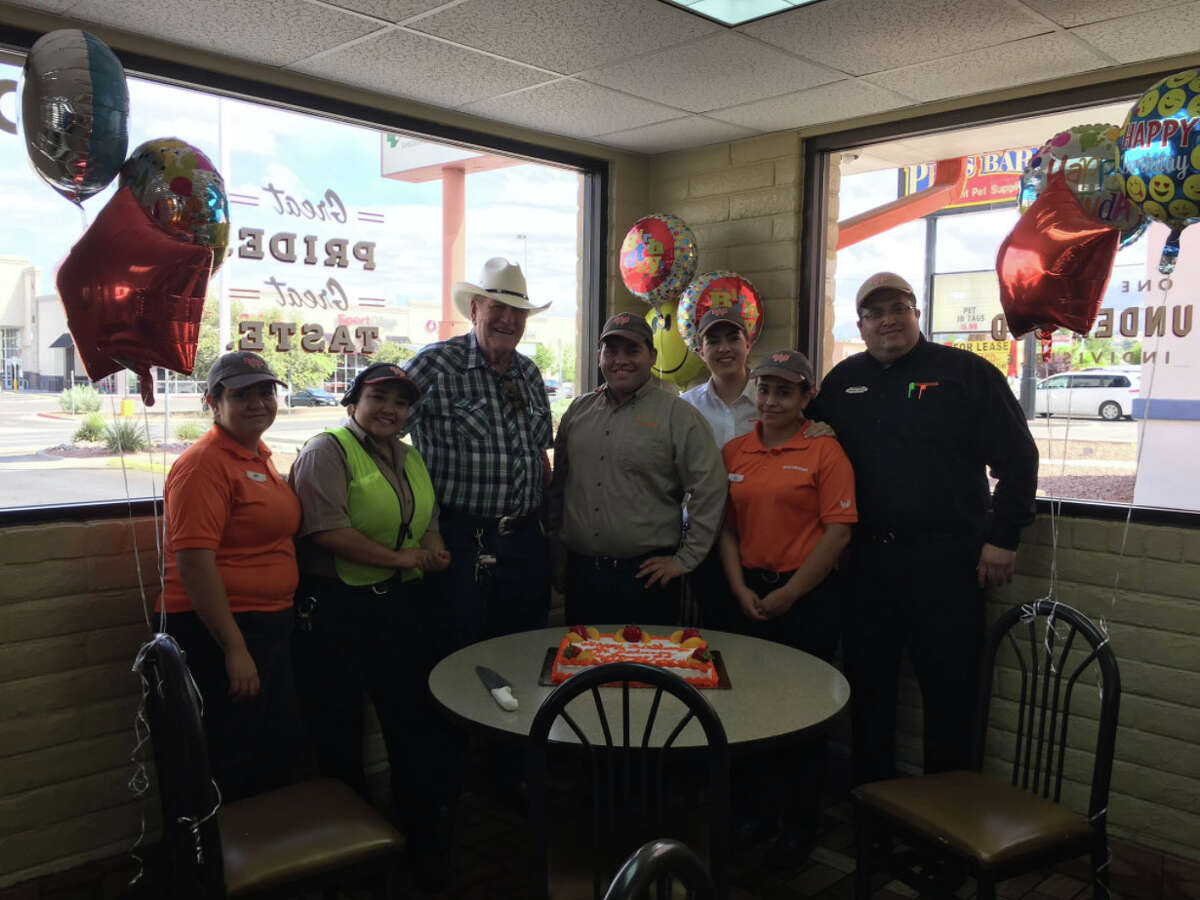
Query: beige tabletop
[(777, 693)]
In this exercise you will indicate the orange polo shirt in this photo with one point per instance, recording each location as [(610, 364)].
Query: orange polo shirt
[(782, 498), (219, 496)]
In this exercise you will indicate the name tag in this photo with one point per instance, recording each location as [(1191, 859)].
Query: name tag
[(256, 476), (857, 389), (733, 476), (797, 468)]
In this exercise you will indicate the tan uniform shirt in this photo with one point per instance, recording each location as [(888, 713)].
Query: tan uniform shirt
[(621, 473), (320, 477)]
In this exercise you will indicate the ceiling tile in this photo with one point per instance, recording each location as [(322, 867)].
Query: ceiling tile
[(1070, 13), (566, 36), (418, 67), (50, 6), (392, 10), (275, 32), (828, 103), (677, 134), (1175, 30), (573, 108), (860, 37), (1019, 62), (723, 69)]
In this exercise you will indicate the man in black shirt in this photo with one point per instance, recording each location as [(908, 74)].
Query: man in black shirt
[(921, 424)]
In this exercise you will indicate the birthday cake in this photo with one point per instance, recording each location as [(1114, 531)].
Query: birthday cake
[(684, 653)]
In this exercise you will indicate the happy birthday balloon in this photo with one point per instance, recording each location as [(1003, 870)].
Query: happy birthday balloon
[(718, 289), (182, 191), (1054, 265), (1086, 155), (675, 362), (658, 258), (1159, 157), (75, 112)]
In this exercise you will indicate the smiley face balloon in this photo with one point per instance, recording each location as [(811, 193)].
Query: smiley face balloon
[(675, 361), (1158, 157)]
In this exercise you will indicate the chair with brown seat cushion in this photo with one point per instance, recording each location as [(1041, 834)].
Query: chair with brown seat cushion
[(634, 795), (315, 834), (1000, 829)]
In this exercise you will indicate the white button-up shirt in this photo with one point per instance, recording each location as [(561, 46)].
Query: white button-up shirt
[(727, 421)]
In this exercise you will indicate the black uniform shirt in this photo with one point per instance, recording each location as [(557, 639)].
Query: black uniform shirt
[(920, 433)]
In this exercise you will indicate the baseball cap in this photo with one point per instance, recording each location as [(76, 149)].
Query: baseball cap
[(628, 325), (715, 315), (378, 373), (878, 282), (791, 365), (240, 368)]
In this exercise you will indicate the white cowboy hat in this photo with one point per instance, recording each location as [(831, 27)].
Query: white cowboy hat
[(501, 280)]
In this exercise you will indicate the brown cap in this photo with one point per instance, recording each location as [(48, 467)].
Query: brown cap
[(631, 326), (378, 373), (718, 314), (881, 281), (791, 365), (240, 368)]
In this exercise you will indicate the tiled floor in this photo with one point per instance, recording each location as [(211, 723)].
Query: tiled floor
[(489, 863)]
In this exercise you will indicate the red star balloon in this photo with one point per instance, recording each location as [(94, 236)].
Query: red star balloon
[(1055, 265), (134, 294)]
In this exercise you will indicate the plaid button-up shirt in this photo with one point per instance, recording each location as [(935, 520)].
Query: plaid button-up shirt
[(482, 435)]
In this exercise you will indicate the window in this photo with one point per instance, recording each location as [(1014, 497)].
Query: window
[(1131, 389), (336, 227)]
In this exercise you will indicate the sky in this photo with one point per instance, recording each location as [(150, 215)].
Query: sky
[(305, 155)]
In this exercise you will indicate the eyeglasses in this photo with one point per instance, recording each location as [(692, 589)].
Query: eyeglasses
[(897, 310), (512, 393)]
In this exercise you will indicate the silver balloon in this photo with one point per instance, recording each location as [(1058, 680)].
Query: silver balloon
[(75, 112)]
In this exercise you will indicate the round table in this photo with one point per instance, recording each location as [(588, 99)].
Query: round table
[(776, 693)]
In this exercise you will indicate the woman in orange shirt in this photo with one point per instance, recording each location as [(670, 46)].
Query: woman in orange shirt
[(791, 506), (230, 577)]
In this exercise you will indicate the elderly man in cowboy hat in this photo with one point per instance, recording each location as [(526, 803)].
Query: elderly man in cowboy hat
[(483, 427)]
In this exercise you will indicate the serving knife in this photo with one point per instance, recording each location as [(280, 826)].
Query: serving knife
[(499, 686)]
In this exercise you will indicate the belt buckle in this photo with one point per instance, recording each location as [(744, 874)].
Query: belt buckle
[(504, 525), (888, 537), (769, 577)]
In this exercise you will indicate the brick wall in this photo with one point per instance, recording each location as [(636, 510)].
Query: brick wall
[(743, 202)]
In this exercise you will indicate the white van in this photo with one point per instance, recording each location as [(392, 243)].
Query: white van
[(1107, 393)]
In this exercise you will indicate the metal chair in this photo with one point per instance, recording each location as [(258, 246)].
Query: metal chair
[(627, 776), (659, 863), (316, 834), (1002, 829)]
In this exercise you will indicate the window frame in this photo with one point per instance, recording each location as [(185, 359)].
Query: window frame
[(15, 43), (818, 150)]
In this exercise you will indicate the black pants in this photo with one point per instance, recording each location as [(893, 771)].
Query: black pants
[(789, 782), (710, 589), (351, 642), (923, 595), (253, 744), (604, 590), (511, 595)]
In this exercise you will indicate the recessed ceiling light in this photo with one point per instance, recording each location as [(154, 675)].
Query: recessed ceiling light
[(737, 12)]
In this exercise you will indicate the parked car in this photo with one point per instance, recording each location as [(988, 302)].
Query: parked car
[(551, 387), (313, 397), (1107, 393)]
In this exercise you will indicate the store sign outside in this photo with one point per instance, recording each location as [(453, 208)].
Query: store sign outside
[(992, 178)]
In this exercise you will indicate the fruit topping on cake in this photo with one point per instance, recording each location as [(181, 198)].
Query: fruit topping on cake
[(702, 655), (630, 634), (570, 651)]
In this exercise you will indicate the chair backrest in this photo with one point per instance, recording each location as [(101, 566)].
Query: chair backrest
[(1057, 651), (191, 840), (657, 862), (627, 774)]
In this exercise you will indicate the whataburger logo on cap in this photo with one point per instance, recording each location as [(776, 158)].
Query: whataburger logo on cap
[(780, 357), (622, 319), (395, 370), (253, 362)]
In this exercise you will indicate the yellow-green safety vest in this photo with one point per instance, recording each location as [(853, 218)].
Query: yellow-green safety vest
[(375, 508)]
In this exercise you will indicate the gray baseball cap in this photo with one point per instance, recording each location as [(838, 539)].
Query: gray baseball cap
[(791, 365), (240, 368), (715, 315), (631, 326), (882, 281)]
